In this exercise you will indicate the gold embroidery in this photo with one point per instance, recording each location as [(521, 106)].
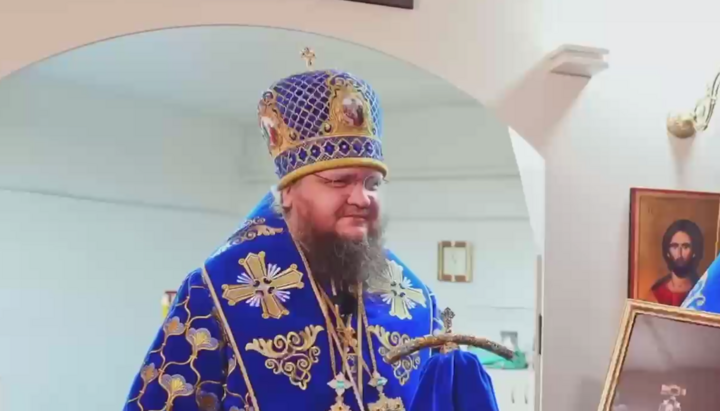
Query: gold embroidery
[(250, 400), (223, 334), (292, 355), (247, 404), (250, 230), (263, 285), (207, 401), (399, 292), (148, 373), (231, 365), (201, 340), (173, 326), (176, 386), (407, 365)]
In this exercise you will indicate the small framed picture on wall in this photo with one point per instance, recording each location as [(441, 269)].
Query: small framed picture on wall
[(167, 300), (673, 239), (455, 261)]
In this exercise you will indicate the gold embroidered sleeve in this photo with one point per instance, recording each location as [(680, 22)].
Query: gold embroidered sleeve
[(186, 365)]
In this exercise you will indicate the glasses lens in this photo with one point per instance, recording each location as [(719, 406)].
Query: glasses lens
[(373, 183)]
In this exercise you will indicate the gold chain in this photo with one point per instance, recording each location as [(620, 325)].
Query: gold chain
[(331, 328), (367, 326), (362, 315)]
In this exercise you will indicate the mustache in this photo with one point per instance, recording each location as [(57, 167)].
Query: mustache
[(357, 212)]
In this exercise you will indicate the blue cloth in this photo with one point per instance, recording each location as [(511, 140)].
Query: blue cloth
[(454, 382), (247, 332), (705, 296)]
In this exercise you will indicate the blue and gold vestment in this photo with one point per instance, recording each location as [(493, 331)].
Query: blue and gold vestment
[(251, 330), (247, 331)]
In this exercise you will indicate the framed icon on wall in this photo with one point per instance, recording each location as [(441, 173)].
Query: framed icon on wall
[(673, 239), (455, 261)]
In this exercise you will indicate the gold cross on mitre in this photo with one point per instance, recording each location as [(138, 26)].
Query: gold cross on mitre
[(263, 285), (309, 56)]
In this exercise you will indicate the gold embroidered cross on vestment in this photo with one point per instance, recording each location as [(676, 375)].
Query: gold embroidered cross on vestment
[(263, 285)]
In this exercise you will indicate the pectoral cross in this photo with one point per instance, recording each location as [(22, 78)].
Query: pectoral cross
[(384, 403), (309, 56), (340, 386), (263, 285)]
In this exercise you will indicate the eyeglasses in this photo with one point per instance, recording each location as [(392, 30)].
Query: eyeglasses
[(371, 183)]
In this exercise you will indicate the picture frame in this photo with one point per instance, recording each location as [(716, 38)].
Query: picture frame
[(673, 238), (455, 262), (640, 376)]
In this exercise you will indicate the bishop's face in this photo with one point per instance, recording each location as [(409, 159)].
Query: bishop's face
[(344, 202)]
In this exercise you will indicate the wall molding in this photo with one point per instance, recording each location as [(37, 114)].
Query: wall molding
[(122, 202)]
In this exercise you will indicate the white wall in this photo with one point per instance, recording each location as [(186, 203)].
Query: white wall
[(80, 294), (607, 137), (153, 189), (68, 139)]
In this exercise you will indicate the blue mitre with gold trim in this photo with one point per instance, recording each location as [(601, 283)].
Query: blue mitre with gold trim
[(705, 296), (319, 120)]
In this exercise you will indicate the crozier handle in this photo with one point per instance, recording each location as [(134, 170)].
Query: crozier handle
[(445, 340)]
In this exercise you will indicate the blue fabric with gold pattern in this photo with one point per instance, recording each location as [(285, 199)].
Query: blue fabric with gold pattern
[(705, 296), (319, 120), (251, 330), (248, 332), (454, 382)]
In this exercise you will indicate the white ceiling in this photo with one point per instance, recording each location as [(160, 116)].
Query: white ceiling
[(660, 344), (224, 69)]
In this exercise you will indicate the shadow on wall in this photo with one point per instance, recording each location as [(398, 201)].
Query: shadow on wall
[(537, 102), (682, 152)]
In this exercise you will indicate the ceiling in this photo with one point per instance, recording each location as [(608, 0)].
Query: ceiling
[(660, 344), (224, 69)]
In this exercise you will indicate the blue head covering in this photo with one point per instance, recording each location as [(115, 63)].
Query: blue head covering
[(321, 120)]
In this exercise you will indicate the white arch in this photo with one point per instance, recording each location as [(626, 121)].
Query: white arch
[(460, 42)]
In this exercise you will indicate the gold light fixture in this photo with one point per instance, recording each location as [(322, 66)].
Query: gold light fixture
[(687, 124)]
